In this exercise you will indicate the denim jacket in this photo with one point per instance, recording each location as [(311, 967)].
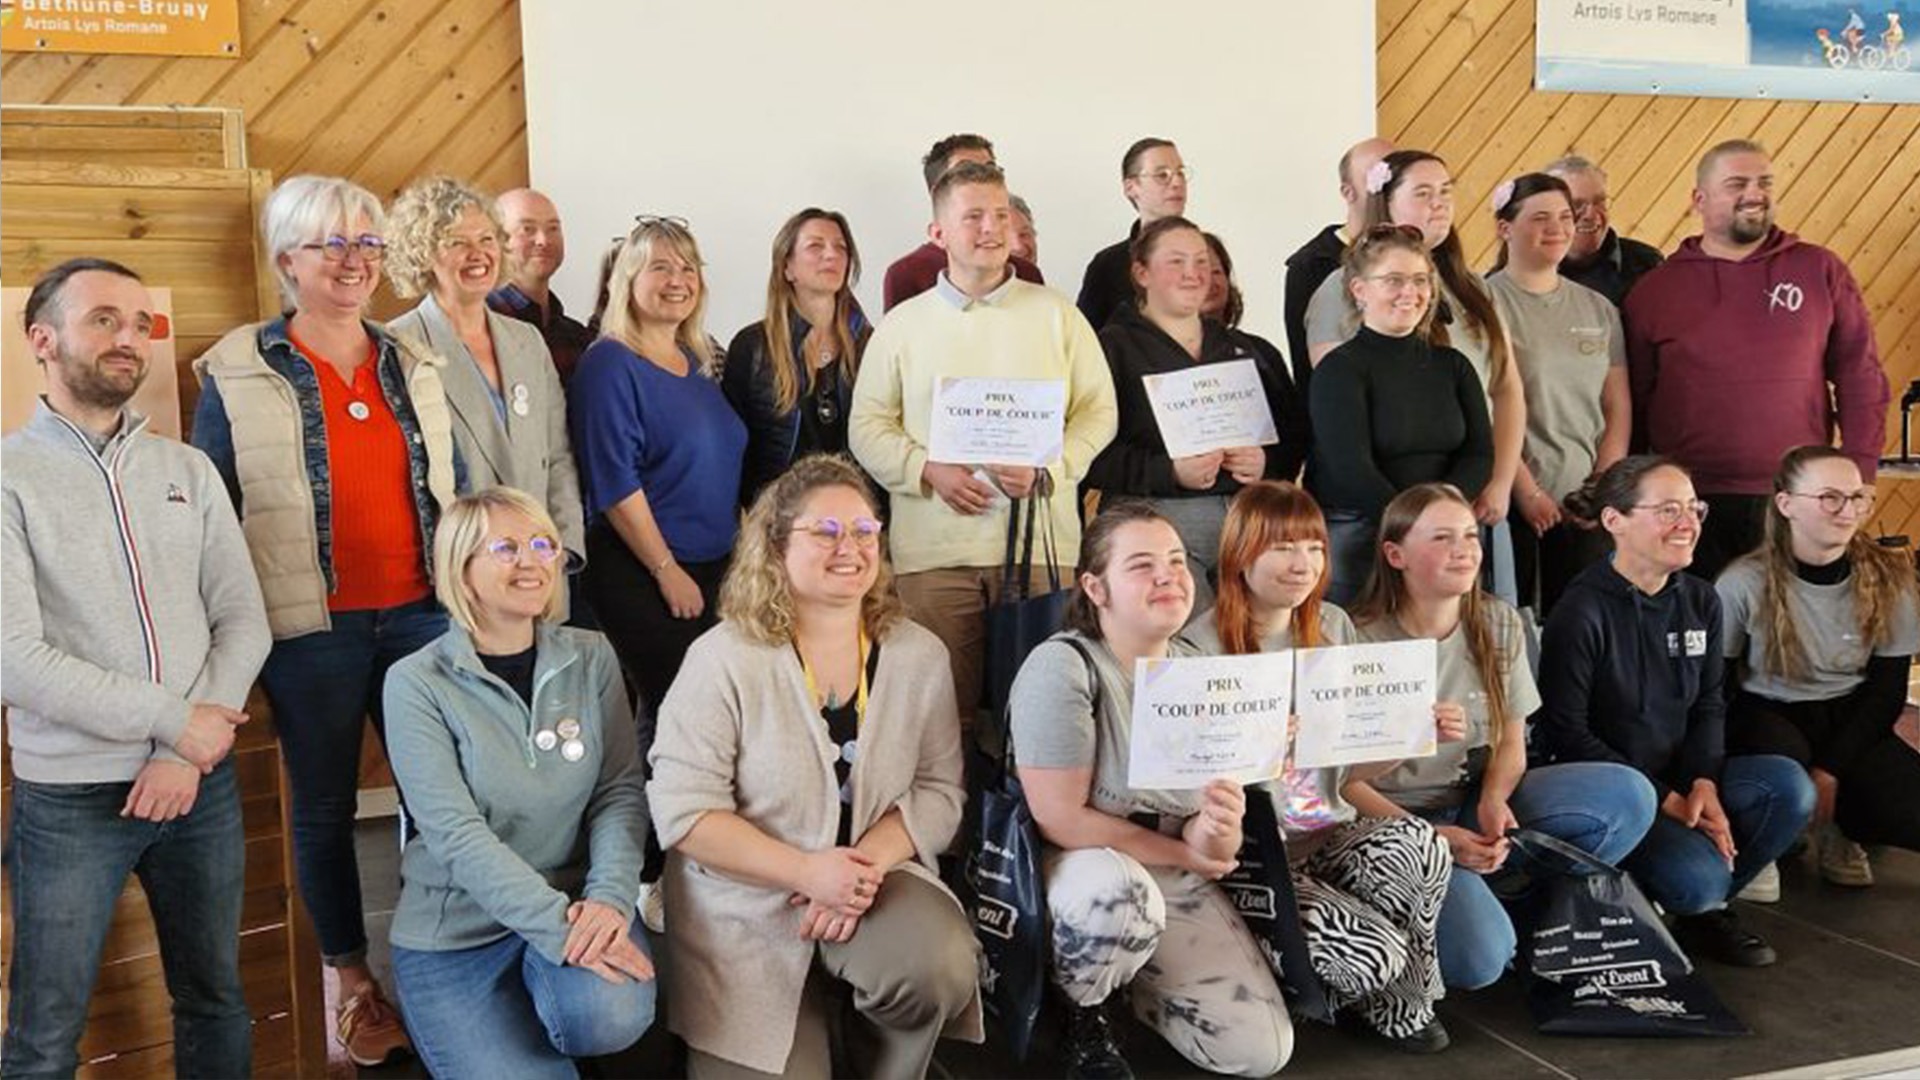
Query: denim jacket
[(259, 418)]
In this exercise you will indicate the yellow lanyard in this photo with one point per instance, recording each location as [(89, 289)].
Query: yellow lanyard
[(860, 695)]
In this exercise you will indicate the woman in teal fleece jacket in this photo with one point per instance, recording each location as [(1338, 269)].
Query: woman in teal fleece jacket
[(515, 943)]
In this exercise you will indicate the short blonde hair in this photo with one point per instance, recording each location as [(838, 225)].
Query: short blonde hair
[(420, 219), (462, 534), (303, 208), (620, 322), (756, 595)]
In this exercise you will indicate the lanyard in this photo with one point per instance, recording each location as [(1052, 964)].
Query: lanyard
[(860, 695)]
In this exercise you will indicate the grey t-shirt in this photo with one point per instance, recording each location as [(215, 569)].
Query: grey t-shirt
[(1565, 341), (1829, 629), (1441, 781), (1054, 725), (1307, 800)]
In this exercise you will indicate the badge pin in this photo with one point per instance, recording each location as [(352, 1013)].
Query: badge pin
[(545, 739), (520, 407), (520, 392), (573, 749), (359, 411), (568, 728)]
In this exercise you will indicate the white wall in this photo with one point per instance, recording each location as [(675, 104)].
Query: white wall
[(735, 113)]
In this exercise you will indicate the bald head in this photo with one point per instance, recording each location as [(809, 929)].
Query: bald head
[(536, 246), (1354, 164)]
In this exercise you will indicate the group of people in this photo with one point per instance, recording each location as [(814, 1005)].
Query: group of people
[(655, 630)]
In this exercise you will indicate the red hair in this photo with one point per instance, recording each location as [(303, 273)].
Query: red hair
[(1265, 513)]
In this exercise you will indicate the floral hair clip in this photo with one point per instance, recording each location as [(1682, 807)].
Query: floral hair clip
[(1378, 175), (1502, 195)]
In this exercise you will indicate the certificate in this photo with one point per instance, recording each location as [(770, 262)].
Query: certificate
[(1211, 407), (998, 421), (1361, 703), (1203, 718)]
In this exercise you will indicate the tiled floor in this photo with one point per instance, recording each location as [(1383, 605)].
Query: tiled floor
[(1847, 986)]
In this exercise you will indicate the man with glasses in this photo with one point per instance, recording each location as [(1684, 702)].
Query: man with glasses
[(134, 628), (916, 271), (536, 247), (1744, 343), (1154, 180), (1599, 258), (1319, 258)]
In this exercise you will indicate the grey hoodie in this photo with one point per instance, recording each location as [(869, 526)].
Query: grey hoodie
[(129, 596)]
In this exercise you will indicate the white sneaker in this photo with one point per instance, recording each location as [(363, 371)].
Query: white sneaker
[(1765, 886), (653, 907), (1843, 862)]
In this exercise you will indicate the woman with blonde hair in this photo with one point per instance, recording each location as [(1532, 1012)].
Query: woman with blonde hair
[(515, 942), (1820, 628), (1369, 888), (790, 375), (1426, 584), (660, 453), (806, 779), (445, 244)]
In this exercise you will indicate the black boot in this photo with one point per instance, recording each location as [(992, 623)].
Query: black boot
[(1719, 934), (1091, 1052)]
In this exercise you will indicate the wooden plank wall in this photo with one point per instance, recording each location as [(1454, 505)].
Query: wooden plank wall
[(1456, 77)]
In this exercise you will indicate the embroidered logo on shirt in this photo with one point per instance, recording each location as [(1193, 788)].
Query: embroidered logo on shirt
[(178, 494), (1696, 643), (1787, 295)]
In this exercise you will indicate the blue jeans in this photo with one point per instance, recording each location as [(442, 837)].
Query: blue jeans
[(69, 853), (322, 686), (503, 1010), (1768, 800), (1598, 807)]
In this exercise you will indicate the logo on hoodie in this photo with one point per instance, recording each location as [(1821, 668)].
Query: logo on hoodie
[(178, 494), (1785, 294)]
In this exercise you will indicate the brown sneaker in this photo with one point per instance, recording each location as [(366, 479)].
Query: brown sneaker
[(370, 1029)]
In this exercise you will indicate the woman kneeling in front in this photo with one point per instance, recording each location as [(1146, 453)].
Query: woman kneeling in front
[(515, 943), (1130, 874), (806, 776)]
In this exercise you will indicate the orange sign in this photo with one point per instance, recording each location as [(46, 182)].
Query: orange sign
[(148, 27)]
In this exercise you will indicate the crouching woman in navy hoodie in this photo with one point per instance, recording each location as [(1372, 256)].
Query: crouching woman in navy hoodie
[(1631, 671)]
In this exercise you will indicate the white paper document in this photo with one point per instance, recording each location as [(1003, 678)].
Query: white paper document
[(1211, 407), (1204, 718), (998, 421), (1360, 703)]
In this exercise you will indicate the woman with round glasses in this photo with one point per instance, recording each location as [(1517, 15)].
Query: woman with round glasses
[(790, 375), (515, 942), (1631, 671), (1821, 628), (805, 781), (1389, 408), (336, 443), (509, 412)]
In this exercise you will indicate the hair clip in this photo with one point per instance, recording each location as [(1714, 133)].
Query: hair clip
[(1379, 174), (1502, 195)]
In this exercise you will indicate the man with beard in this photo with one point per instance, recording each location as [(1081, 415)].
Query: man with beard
[(536, 247), (1599, 258), (1746, 342), (134, 627)]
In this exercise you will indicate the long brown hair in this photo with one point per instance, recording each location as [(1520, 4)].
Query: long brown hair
[(1450, 259), (787, 390), (1526, 186), (1386, 594), (1096, 551), (1265, 513), (1880, 576)]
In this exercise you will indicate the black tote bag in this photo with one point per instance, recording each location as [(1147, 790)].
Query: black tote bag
[(1022, 618), (1261, 888), (1603, 962)]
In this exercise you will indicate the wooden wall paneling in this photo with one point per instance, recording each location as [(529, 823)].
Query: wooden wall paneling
[(193, 137), (1423, 50), (1387, 16), (1484, 45), (1853, 208)]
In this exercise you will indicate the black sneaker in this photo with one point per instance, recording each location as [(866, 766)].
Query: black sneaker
[(1428, 1040), (1719, 934), (1092, 1053)]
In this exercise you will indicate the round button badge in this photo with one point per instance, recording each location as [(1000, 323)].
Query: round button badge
[(568, 728), (545, 740), (573, 749), (358, 410)]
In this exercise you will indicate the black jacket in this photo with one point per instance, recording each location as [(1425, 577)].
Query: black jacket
[(776, 439), (1635, 679), (1615, 267), (1317, 260), (1136, 461), (1107, 286)]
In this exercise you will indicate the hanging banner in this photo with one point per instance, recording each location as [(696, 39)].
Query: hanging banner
[(145, 27), (1809, 50)]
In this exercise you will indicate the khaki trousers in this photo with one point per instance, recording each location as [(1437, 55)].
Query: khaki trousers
[(953, 602)]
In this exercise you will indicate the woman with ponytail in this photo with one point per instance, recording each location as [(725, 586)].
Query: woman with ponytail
[(1821, 628), (1426, 584)]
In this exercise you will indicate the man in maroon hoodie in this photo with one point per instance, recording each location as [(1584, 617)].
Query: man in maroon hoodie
[(1746, 342)]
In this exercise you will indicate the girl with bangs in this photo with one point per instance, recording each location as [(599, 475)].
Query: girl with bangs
[(1426, 584), (1369, 889)]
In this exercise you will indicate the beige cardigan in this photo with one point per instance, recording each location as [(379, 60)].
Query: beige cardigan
[(735, 735)]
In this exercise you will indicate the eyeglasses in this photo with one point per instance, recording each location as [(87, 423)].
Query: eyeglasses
[(466, 245), (1400, 282), (828, 532), (1832, 501), (1670, 512), (506, 550), (336, 248), (1165, 176)]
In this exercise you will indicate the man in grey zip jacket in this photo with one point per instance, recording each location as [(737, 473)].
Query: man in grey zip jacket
[(133, 627)]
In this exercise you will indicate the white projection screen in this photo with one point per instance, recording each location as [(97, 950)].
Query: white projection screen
[(735, 113)]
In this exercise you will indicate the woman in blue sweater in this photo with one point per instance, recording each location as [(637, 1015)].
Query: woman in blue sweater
[(1631, 671), (514, 941)]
